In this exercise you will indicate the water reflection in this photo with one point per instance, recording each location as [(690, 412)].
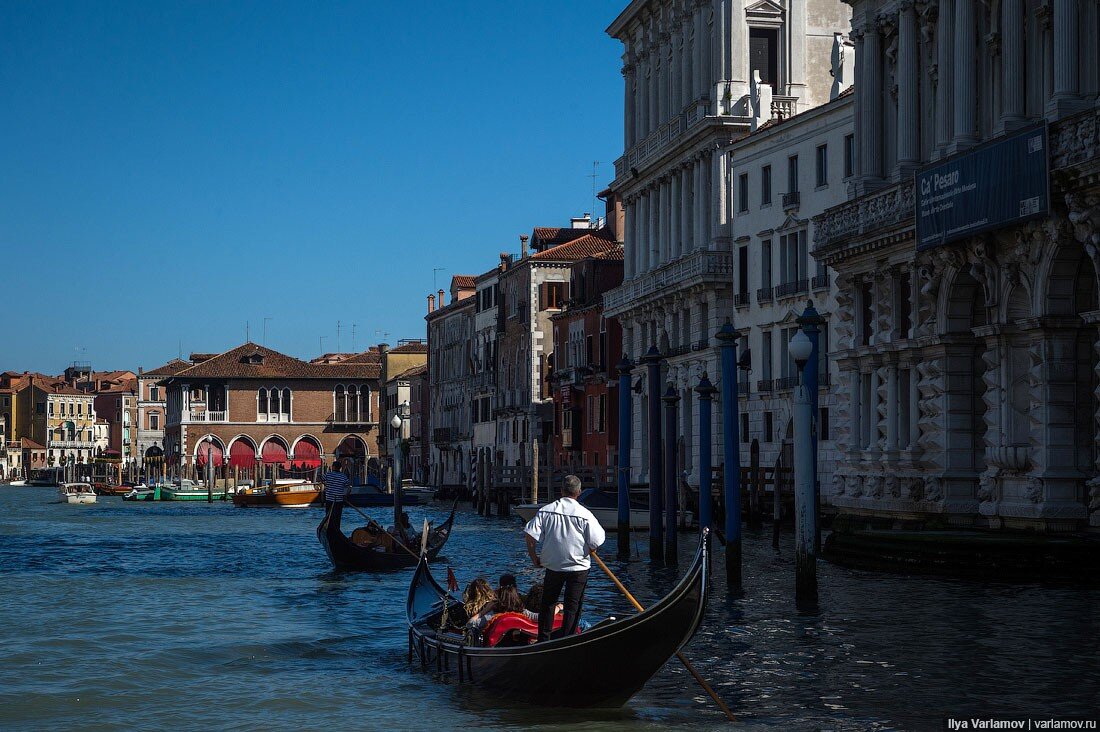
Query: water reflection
[(230, 617)]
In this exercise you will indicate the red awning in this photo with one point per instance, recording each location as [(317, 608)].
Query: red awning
[(274, 453), (215, 451), (242, 455), (307, 455)]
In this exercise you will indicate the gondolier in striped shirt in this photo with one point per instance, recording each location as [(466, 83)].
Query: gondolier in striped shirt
[(568, 533), (336, 484)]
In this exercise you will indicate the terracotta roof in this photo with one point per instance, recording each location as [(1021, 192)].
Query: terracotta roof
[(172, 367), (29, 444), (463, 281), (252, 361), (409, 372), (615, 254), (544, 237), (589, 245), (370, 356), (414, 347)]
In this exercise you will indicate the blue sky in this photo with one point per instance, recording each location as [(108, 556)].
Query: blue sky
[(169, 171)]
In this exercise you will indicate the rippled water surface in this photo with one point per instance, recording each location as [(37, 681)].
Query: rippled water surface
[(195, 616)]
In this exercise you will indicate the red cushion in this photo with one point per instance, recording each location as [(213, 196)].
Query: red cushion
[(504, 623)]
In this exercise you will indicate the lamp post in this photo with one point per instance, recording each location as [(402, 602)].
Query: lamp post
[(398, 423), (652, 361), (812, 322), (731, 483), (624, 457), (805, 558)]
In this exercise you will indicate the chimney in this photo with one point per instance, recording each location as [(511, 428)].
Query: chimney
[(441, 298), (523, 246), (431, 303), (505, 260), (584, 221), (383, 347)]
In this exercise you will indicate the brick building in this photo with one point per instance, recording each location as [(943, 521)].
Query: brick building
[(253, 405), (419, 436), (450, 350), (584, 383), (151, 414)]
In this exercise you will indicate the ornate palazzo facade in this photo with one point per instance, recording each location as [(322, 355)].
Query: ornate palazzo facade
[(969, 382), (687, 66)]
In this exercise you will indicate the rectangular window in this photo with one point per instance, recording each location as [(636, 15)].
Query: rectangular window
[(51, 409), (601, 414), (588, 354), (823, 424), (553, 296), (154, 394), (40, 408), (822, 165), (790, 370), (792, 174), (766, 185), (154, 421), (745, 427), (743, 270), (849, 156), (766, 263), (792, 256), (743, 193), (764, 55), (766, 357), (767, 426)]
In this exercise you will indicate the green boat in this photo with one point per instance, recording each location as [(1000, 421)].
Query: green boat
[(188, 490), (143, 493)]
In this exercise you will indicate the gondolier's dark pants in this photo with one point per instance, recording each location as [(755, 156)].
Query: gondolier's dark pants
[(574, 583)]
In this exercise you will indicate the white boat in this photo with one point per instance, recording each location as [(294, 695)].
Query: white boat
[(424, 493), (17, 483), (604, 506), (76, 493)]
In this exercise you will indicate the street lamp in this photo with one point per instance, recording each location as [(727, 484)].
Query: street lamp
[(801, 349), (397, 423)]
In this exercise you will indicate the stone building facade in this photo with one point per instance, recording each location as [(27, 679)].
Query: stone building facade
[(450, 368), (968, 370), (152, 413), (255, 406), (532, 289), (782, 175), (488, 325), (688, 67)]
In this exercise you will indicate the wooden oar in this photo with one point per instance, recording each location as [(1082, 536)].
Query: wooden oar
[(683, 659), (395, 541)]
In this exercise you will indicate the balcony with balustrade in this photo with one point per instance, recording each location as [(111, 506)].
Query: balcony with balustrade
[(792, 288), (701, 267)]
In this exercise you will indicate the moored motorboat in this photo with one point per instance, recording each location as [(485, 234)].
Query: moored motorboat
[(76, 493), (346, 554), (297, 494), (188, 490), (604, 505), (370, 494), (601, 667)]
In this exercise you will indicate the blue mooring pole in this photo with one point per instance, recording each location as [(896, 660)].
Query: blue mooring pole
[(705, 390), (731, 484), (652, 361), (625, 413), (811, 322), (670, 399), (805, 556)]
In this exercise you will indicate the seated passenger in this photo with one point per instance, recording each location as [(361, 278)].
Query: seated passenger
[(478, 594), (534, 600), (508, 601)]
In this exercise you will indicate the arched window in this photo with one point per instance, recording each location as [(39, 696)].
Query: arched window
[(275, 407), (285, 413), (340, 405), (353, 404), (364, 394), (261, 406)]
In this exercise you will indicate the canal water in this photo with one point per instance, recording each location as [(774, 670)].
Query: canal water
[(195, 616)]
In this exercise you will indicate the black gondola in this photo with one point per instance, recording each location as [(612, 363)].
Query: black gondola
[(346, 554), (602, 667)]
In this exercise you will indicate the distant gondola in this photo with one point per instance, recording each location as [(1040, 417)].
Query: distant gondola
[(601, 667), (346, 554)]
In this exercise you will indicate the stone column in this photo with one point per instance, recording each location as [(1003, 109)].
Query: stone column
[(663, 217), (871, 127), (965, 68), (641, 98), (675, 80), (697, 204), (892, 409), (855, 411), (860, 103), (662, 81), (685, 211), (655, 226), (698, 80), (1013, 71), (628, 103), (708, 201), (721, 56), (908, 87), (674, 245), (914, 407), (687, 81), (642, 252), (796, 71), (629, 234), (719, 183), (945, 29), (1066, 53)]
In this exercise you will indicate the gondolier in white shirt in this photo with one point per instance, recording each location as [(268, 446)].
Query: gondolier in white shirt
[(568, 533), (336, 484)]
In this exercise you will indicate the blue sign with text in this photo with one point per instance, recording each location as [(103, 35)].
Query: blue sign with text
[(998, 184)]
